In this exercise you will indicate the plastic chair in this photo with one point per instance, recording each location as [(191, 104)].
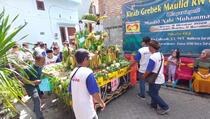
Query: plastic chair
[(133, 73), (185, 71)]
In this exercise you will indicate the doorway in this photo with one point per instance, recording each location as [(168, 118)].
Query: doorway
[(71, 32), (63, 34)]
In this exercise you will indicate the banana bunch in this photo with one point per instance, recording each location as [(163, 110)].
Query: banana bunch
[(110, 55), (104, 35), (69, 61), (103, 55), (91, 63), (99, 61), (72, 61), (117, 51), (89, 41), (94, 61), (64, 54)]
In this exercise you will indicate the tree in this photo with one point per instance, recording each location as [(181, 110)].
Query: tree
[(10, 85)]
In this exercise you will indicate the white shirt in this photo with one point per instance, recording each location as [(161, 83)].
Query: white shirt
[(145, 55), (50, 61), (83, 105), (156, 57)]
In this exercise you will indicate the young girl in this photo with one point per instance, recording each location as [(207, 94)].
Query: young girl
[(173, 62)]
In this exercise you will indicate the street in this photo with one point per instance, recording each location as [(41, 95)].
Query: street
[(183, 106)]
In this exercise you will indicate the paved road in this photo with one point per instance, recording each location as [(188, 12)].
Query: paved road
[(183, 106), (129, 106)]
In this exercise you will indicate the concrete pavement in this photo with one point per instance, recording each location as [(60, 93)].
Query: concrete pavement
[(182, 105)]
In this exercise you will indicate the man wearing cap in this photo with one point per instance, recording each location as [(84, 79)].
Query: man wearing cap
[(40, 46), (155, 65), (84, 88), (34, 73), (142, 58)]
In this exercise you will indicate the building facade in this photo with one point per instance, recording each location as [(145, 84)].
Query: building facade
[(113, 24), (47, 20), (111, 8)]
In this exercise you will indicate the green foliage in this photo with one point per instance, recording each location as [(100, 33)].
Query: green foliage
[(90, 17), (10, 86)]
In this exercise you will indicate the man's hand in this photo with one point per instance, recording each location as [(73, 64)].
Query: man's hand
[(142, 77), (103, 105), (37, 82), (145, 75), (97, 98)]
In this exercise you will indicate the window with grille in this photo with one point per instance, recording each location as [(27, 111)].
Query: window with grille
[(40, 4)]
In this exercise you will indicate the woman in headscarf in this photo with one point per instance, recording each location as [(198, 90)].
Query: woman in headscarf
[(201, 74)]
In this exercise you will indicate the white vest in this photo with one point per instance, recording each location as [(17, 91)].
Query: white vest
[(156, 57), (83, 105), (145, 55)]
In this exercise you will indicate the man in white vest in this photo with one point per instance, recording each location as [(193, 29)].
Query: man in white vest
[(84, 88), (142, 57), (156, 65)]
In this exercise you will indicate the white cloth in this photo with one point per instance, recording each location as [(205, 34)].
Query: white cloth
[(83, 105), (50, 61), (145, 55), (156, 57)]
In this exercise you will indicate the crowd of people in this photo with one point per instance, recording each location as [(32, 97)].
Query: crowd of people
[(83, 86), (37, 57), (25, 54)]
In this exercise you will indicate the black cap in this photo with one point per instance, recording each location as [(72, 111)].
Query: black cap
[(49, 51), (146, 39)]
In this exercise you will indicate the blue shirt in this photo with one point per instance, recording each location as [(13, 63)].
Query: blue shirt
[(150, 66), (138, 57)]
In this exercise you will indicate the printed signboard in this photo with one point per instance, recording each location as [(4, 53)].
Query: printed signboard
[(183, 24)]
